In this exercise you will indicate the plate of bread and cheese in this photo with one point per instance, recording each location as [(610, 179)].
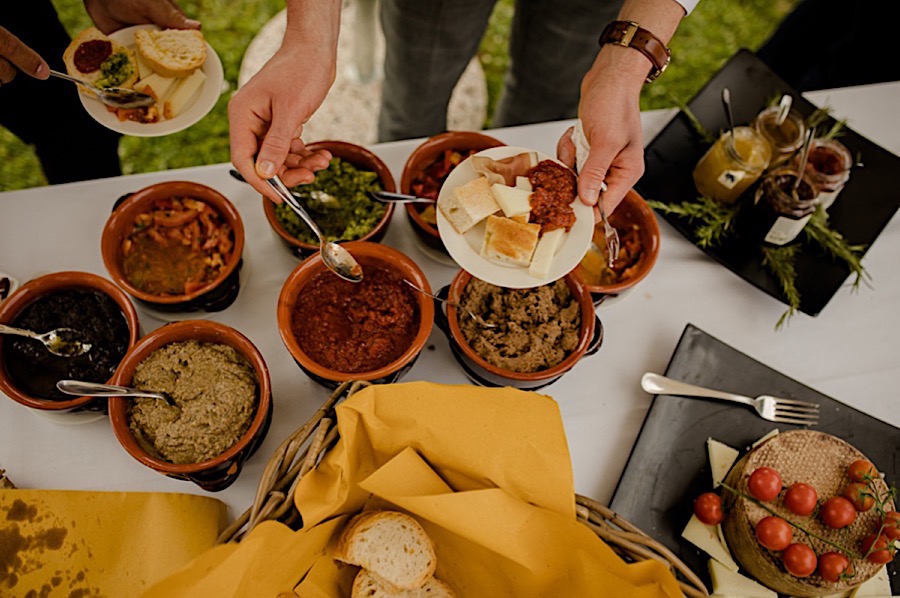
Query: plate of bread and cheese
[(176, 66), (511, 216)]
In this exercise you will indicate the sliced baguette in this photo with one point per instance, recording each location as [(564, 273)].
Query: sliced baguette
[(509, 242), (94, 76), (368, 585), (391, 545), (171, 52)]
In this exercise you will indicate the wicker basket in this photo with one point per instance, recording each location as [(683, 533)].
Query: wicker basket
[(302, 450)]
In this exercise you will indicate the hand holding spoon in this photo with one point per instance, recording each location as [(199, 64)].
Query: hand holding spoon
[(117, 97), (61, 342)]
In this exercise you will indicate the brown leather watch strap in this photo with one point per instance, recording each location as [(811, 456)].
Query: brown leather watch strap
[(630, 35)]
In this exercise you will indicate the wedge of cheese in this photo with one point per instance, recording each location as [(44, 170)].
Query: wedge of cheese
[(144, 69), (546, 249), (512, 200), (721, 458), (523, 182), (158, 86), (730, 583), (183, 93), (878, 586), (708, 539), (764, 437)]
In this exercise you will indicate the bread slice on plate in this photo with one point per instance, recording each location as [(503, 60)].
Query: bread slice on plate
[(171, 52), (468, 204), (391, 545), (368, 585), (96, 59), (509, 242)]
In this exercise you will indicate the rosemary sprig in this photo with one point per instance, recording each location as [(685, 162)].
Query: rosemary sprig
[(699, 129), (833, 242), (819, 116), (716, 219), (780, 262)]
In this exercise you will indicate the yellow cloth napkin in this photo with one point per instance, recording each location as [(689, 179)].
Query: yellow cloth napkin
[(486, 472), (76, 543)]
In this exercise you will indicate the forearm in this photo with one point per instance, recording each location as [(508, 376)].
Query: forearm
[(315, 22)]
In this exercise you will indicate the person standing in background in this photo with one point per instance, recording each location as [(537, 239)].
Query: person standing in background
[(557, 69)]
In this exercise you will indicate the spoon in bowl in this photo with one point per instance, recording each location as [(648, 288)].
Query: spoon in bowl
[(92, 389), (61, 341), (478, 319), (117, 97), (726, 101), (391, 197), (336, 258)]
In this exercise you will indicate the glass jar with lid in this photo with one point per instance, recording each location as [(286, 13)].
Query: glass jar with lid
[(784, 138), (780, 212), (828, 166), (729, 168)]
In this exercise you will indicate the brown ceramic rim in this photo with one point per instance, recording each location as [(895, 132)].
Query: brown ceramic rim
[(361, 158), (458, 285), (120, 222), (427, 153), (650, 238), (364, 252), (203, 331), (41, 286)]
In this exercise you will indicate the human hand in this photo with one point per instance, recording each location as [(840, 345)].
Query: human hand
[(112, 15), (267, 114), (16, 56)]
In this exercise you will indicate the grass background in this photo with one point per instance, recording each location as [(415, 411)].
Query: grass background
[(705, 40)]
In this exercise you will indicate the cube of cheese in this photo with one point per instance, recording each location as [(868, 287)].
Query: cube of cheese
[(468, 204), (546, 249), (512, 200)]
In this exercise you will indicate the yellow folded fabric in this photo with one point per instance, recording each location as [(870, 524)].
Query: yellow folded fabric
[(75, 543)]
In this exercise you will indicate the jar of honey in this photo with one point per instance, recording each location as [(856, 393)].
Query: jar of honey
[(785, 138), (828, 166), (729, 168), (781, 212)]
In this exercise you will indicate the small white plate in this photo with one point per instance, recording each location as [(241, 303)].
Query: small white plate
[(201, 105), (466, 249)]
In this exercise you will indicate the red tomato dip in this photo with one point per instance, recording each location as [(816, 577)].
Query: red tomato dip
[(355, 327), (554, 188)]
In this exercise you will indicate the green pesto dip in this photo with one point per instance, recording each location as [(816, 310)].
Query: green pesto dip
[(351, 215), (115, 70)]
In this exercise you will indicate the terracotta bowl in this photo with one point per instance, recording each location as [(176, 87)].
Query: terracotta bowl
[(632, 210), (367, 254), (362, 159), (219, 293), (40, 287), (423, 157), (483, 373), (219, 472)]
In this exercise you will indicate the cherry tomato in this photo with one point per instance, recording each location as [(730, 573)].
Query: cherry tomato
[(708, 508), (862, 470), (837, 512), (832, 565), (891, 525), (860, 495), (774, 533), (800, 499), (799, 560), (881, 553), (764, 484)]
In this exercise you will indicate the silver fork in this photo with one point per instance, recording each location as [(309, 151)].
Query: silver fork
[(776, 409), (611, 234)]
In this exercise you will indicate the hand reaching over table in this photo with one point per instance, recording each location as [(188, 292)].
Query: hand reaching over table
[(112, 15)]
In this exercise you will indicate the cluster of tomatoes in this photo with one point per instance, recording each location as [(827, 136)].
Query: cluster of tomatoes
[(836, 512)]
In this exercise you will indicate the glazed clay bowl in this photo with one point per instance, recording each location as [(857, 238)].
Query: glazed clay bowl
[(362, 159), (633, 211), (42, 287), (221, 471), (214, 296), (368, 255), (484, 373), (424, 156)]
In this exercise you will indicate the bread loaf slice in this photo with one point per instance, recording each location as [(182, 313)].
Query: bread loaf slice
[(171, 52), (100, 61), (468, 204), (509, 242), (391, 545), (368, 585)]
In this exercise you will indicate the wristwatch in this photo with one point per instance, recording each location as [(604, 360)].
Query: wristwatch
[(631, 35)]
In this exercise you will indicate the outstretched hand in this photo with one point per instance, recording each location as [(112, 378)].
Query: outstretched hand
[(112, 15), (16, 56)]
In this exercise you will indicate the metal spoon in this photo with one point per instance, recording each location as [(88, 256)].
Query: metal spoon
[(117, 97), (306, 194), (390, 197), (726, 101), (783, 108), (92, 389), (335, 257), (804, 156), (53, 340), (472, 315), (609, 231)]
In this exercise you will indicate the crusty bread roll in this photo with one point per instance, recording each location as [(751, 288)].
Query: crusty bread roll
[(391, 545), (509, 242), (468, 204), (91, 54), (367, 585), (171, 52)]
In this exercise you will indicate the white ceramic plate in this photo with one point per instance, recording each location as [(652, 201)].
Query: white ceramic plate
[(466, 249), (200, 106)]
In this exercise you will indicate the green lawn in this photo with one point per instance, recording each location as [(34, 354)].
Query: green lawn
[(715, 30)]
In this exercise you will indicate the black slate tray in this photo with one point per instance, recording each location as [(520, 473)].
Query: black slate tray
[(668, 466), (862, 210)]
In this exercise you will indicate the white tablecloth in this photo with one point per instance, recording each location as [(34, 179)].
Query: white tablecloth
[(851, 351)]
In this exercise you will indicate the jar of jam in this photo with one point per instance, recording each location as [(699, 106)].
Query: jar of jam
[(780, 212), (828, 166), (785, 138), (728, 169)]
